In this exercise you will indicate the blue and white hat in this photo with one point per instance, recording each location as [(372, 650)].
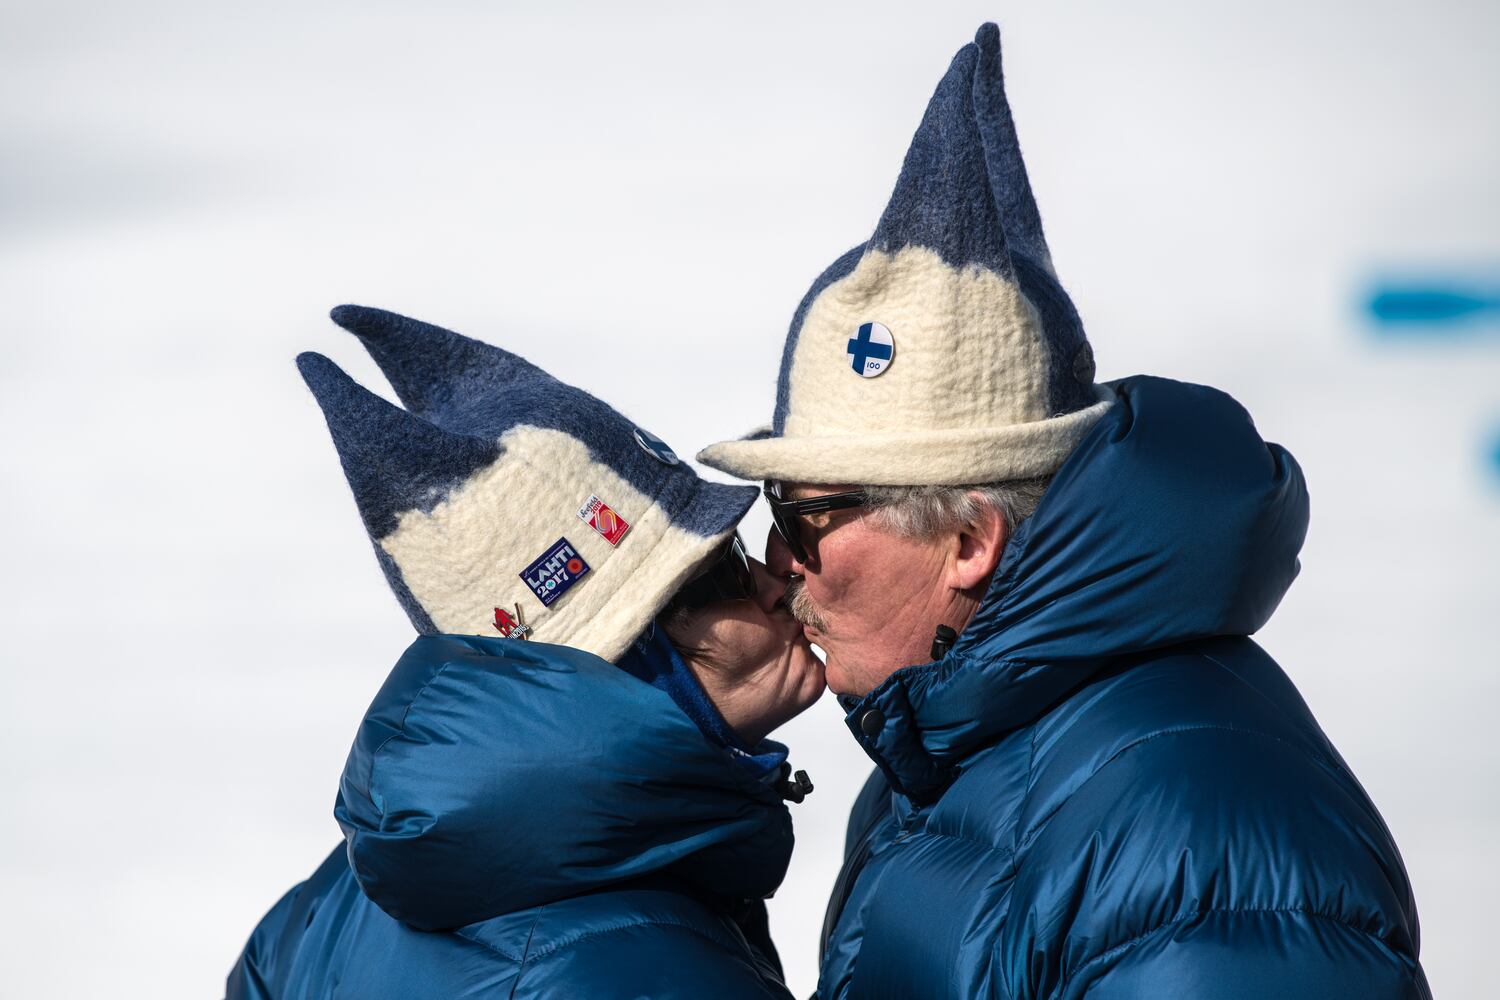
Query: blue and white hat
[(502, 501), (942, 351)]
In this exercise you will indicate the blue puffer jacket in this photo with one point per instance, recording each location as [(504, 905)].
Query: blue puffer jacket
[(1105, 789), (526, 820)]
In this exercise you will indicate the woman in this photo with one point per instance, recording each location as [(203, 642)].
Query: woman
[(564, 787)]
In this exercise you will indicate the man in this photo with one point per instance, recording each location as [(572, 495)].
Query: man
[(1103, 787)]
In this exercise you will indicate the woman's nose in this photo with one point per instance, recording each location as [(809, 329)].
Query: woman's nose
[(779, 558), (769, 586)]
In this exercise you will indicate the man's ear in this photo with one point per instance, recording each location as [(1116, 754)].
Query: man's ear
[(977, 549)]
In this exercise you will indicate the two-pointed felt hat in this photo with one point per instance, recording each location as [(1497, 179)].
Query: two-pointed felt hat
[(499, 488)]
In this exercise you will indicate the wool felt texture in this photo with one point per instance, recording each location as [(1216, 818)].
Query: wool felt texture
[(468, 387), (993, 377), (930, 419), (487, 468)]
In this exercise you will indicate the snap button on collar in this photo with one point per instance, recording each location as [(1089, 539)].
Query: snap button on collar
[(871, 722)]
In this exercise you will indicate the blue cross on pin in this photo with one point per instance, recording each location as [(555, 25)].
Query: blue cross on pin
[(871, 350)]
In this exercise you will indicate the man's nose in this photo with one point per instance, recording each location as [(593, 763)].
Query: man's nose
[(779, 558)]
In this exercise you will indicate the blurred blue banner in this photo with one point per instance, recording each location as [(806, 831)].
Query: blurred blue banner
[(1434, 308)]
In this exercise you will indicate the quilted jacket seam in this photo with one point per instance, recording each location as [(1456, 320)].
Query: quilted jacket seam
[(1316, 756), (1043, 821), (965, 838), (633, 925), (1129, 943), (526, 952), (1015, 848), (481, 943)]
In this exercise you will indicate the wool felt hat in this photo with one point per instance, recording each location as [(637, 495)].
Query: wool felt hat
[(501, 495), (943, 350)]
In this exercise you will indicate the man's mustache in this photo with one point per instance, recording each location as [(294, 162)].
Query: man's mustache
[(801, 606)]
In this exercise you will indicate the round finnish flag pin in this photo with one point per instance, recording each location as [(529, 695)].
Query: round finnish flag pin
[(871, 350), (656, 447)]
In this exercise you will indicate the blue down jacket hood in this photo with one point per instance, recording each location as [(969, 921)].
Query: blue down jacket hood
[(492, 775), (526, 820), (1106, 788), (1171, 521)]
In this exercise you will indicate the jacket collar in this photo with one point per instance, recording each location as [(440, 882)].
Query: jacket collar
[(1171, 521)]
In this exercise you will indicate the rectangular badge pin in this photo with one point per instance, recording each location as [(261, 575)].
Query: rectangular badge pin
[(603, 519), (554, 572)]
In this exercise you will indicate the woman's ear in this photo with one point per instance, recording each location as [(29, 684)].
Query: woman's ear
[(977, 549)]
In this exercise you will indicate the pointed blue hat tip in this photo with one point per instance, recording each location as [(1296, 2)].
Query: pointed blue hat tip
[(335, 389), (394, 460), (438, 374), (345, 313), (963, 192), (319, 372), (362, 321), (945, 196)]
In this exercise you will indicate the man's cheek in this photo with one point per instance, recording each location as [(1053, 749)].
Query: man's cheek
[(864, 597)]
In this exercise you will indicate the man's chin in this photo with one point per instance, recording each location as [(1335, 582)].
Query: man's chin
[(839, 682)]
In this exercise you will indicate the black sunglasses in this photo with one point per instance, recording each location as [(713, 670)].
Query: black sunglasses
[(783, 511), (727, 578)]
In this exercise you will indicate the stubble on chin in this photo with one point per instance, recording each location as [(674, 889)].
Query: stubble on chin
[(801, 606)]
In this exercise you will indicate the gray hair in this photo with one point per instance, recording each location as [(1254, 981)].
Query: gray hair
[(923, 511)]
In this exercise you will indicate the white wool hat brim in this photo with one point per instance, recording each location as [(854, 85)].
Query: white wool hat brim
[(949, 457)]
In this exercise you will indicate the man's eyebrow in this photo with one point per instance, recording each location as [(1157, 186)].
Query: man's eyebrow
[(803, 491)]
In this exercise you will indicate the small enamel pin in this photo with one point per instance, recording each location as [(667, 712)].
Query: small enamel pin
[(602, 518), (511, 626), (554, 572), (871, 350), (655, 447)]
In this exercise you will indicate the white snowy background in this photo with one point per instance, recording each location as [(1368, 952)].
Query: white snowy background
[(635, 198)]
